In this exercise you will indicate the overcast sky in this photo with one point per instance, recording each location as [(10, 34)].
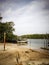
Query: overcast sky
[(29, 16)]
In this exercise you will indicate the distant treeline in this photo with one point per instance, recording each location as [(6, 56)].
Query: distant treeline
[(36, 36)]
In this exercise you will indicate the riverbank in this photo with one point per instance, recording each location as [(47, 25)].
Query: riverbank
[(26, 56)]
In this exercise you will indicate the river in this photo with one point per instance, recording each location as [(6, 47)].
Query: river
[(36, 43)]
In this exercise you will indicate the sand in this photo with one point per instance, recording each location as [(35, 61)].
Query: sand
[(21, 55)]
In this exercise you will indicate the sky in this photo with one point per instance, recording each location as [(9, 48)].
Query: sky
[(29, 16)]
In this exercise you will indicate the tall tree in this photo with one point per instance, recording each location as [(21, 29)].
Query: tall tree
[(7, 28)]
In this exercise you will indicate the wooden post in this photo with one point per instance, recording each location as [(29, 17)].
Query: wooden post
[(44, 43), (4, 40)]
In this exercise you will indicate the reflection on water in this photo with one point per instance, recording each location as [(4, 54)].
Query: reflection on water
[(36, 43)]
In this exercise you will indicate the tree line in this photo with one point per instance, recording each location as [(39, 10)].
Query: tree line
[(36, 36)]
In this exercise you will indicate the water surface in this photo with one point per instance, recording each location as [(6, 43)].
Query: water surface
[(36, 43)]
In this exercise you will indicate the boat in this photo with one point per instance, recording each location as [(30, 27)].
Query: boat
[(22, 41)]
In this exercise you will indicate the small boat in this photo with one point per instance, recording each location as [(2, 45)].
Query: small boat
[(22, 41)]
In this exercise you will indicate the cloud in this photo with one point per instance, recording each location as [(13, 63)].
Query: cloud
[(30, 18), (13, 4)]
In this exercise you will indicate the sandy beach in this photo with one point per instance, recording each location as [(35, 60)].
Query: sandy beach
[(24, 55)]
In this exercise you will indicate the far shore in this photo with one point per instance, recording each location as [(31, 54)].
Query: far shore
[(24, 54)]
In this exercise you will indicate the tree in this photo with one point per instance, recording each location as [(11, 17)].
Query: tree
[(7, 28)]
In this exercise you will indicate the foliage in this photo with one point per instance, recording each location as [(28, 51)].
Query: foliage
[(8, 29), (36, 36)]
